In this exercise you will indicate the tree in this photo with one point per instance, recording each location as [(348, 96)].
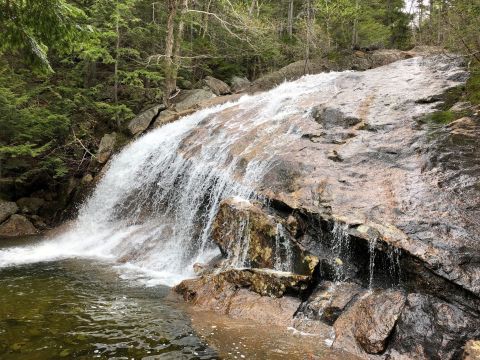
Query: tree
[(32, 27)]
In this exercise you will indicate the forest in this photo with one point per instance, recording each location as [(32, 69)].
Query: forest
[(240, 179), (73, 70)]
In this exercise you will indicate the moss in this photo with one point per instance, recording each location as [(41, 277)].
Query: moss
[(440, 117), (452, 96), (472, 88)]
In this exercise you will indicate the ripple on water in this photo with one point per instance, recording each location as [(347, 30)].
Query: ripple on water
[(83, 310)]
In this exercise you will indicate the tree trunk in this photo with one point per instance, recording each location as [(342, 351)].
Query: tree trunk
[(206, 18), (290, 19), (170, 77), (308, 24), (117, 59), (252, 7), (355, 27)]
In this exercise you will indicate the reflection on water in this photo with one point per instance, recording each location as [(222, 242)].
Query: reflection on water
[(83, 310)]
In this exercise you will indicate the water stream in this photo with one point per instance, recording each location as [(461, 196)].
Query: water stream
[(149, 219), (153, 208)]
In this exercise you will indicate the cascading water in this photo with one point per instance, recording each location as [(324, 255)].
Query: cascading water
[(153, 208)]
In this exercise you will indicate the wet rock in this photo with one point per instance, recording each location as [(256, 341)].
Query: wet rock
[(192, 98), (248, 236), (30, 205), (239, 84), (17, 225), (141, 122), (106, 147), (429, 328), (367, 325), (229, 294), (465, 126), (472, 350), (7, 208), (331, 117), (378, 314), (334, 156), (266, 282), (329, 300), (218, 87)]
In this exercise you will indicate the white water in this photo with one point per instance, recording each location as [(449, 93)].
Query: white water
[(152, 211), (148, 213)]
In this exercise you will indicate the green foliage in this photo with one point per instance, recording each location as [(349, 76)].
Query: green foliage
[(32, 27), (473, 86), (441, 117)]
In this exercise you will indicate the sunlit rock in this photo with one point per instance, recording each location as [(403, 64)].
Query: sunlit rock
[(248, 236)]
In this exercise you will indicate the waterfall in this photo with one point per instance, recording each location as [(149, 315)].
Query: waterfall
[(152, 211), (153, 208)]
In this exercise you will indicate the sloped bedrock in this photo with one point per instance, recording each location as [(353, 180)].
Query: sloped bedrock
[(335, 293)]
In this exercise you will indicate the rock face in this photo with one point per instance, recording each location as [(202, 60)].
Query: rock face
[(248, 236), (17, 225), (429, 328), (355, 172), (106, 147), (141, 122), (7, 208), (217, 86)]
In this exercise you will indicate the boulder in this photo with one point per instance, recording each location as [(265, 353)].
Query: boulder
[(30, 205), (230, 293), (188, 99), (217, 86), (429, 328), (7, 208), (239, 84), (329, 300), (248, 236), (142, 121), (367, 325), (17, 225), (472, 350), (167, 116), (377, 316), (387, 56), (106, 147)]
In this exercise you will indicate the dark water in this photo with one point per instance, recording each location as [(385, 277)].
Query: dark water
[(83, 309), (80, 309)]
